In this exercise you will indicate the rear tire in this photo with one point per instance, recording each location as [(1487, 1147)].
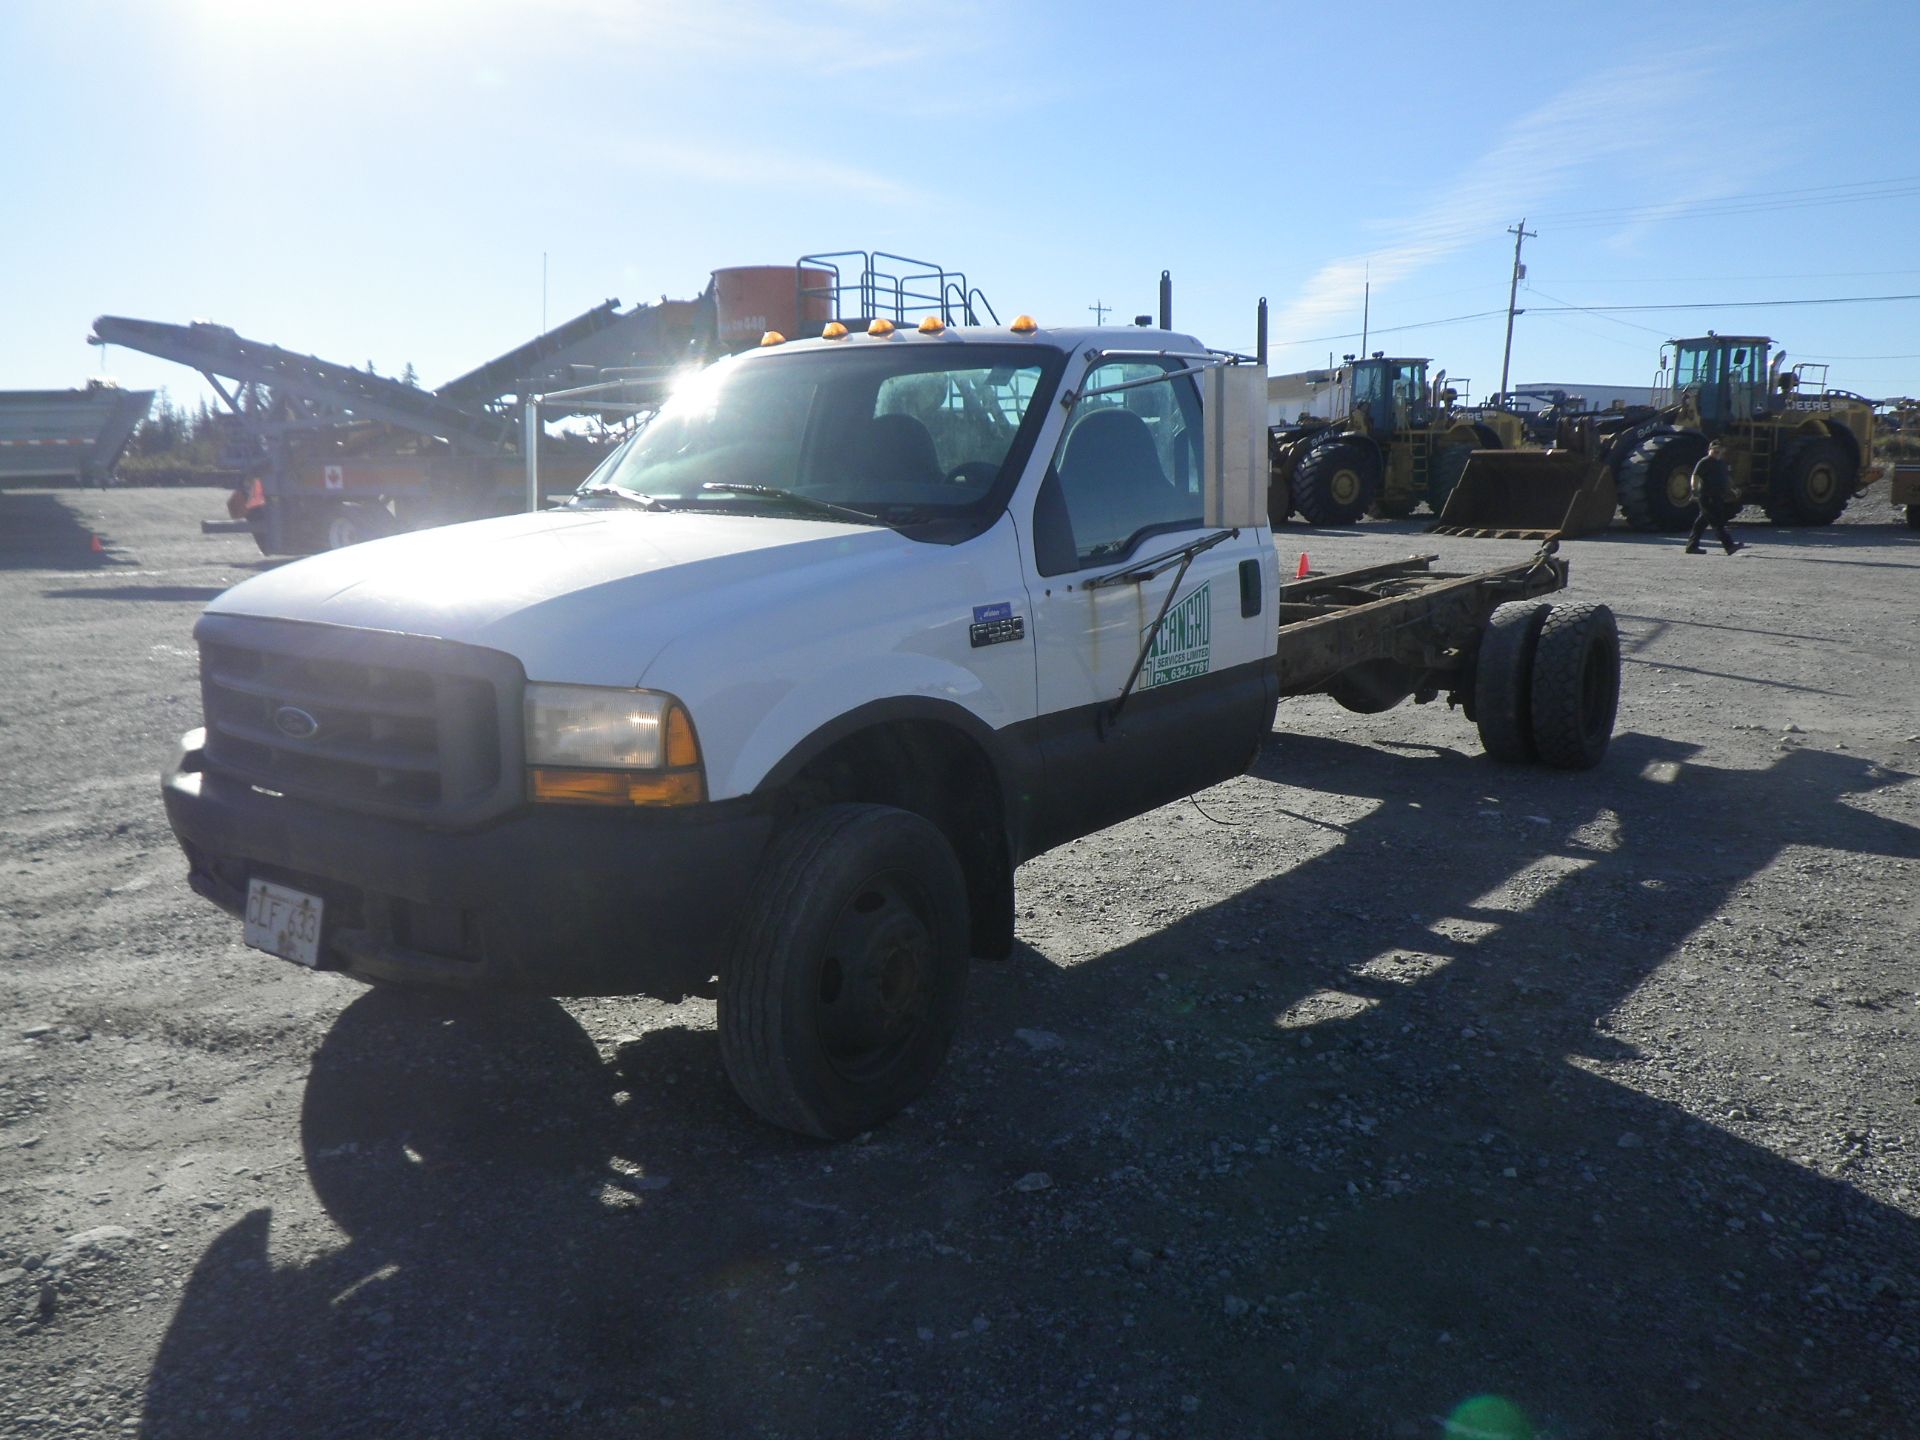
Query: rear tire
[(1337, 483), (353, 523), (842, 986), (1812, 483), (1653, 481), (1503, 680), (1575, 686)]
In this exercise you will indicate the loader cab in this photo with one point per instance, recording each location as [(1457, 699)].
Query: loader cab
[(1392, 392), (1727, 373)]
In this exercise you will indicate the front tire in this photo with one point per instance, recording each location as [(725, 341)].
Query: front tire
[(1337, 483), (1653, 482), (842, 987)]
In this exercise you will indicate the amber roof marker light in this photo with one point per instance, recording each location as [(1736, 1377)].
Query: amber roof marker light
[(932, 325), (880, 328), (1024, 325), (773, 337), (834, 331)]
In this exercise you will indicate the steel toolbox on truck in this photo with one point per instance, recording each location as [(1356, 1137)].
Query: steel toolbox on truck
[(846, 632)]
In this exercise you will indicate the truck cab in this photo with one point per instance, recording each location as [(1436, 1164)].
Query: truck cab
[(965, 592)]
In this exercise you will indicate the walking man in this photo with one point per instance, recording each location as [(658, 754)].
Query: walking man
[(1712, 487)]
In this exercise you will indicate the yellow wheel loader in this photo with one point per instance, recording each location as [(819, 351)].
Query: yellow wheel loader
[(1797, 449), (1394, 441)]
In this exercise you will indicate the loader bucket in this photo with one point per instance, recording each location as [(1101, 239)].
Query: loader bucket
[(1528, 495)]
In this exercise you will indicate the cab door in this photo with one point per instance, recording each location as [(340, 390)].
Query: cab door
[(1125, 486)]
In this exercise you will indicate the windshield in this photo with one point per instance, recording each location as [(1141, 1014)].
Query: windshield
[(902, 432)]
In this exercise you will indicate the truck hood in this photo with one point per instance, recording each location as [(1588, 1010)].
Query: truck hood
[(586, 596)]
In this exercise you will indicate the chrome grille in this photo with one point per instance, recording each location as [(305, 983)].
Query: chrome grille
[(362, 720)]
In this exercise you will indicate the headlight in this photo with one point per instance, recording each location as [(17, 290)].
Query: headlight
[(592, 745)]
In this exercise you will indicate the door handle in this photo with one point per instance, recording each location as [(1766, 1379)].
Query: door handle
[(1250, 589)]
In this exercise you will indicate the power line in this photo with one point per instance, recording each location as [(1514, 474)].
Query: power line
[(1844, 193), (1391, 329), (1589, 310), (1735, 304)]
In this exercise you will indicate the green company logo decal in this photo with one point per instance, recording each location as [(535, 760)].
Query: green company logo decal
[(1184, 646)]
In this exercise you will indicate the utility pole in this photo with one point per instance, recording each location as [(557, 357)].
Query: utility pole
[(1100, 312), (1520, 233), (1366, 312)]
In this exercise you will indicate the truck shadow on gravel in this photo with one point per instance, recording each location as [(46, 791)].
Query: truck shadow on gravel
[(1330, 1154)]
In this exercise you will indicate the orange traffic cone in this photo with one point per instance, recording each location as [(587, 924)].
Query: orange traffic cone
[(97, 547), (1301, 572)]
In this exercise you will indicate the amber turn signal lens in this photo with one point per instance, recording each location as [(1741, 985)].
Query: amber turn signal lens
[(617, 787), (683, 749)]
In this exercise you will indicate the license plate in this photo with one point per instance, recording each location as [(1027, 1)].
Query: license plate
[(284, 922)]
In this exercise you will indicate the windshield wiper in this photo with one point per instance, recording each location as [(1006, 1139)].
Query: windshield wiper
[(774, 492), (632, 497)]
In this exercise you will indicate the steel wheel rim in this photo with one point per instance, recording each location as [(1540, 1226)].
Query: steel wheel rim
[(873, 989), (1344, 487), (1680, 486), (1822, 482)]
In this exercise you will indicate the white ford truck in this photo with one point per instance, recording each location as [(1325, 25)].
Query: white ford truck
[(847, 631)]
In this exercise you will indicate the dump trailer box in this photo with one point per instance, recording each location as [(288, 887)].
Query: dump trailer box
[(1529, 495)]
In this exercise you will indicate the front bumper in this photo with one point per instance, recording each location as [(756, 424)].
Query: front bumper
[(546, 901)]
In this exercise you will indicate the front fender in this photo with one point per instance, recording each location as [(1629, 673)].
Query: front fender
[(834, 702)]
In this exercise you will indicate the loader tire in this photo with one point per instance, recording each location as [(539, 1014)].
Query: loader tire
[(1503, 680), (1575, 686), (1448, 466), (842, 986), (1812, 483), (1653, 481), (1337, 483)]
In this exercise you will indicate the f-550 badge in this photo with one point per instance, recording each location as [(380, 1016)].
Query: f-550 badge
[(996, 625)]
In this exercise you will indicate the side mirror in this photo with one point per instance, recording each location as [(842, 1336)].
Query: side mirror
[(1235, 490)]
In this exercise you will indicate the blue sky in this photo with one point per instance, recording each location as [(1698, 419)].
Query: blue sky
[(377, 179)]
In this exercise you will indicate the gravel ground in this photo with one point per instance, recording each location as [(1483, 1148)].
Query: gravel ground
[(1379, 1086)]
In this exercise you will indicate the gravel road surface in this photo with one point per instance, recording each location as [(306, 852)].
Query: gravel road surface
[(1381, 1088)]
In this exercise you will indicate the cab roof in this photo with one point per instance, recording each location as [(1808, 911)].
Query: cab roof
[(1069, 338)]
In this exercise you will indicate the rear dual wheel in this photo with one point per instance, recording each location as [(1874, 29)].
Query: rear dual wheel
[(1547, 684), (842, 988)]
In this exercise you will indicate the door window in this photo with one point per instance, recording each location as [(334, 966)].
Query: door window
[(1130, 468)]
